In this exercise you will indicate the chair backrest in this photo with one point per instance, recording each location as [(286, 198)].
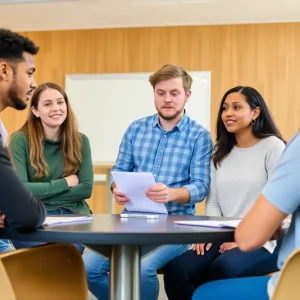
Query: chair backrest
[(287, 286), (43, 273)]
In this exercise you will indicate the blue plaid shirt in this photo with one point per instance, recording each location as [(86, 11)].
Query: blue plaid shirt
[(177, 158)]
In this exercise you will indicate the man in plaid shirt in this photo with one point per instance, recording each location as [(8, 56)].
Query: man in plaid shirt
[(177, 151)]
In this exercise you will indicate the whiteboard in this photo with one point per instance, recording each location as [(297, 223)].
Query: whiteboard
[(106, 104)]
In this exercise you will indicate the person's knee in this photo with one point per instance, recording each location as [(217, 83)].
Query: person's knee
[(174, 271), (148, 270), (223, 267), (95, 265)]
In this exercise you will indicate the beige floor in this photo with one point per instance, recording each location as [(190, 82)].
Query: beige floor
[(162, 294)]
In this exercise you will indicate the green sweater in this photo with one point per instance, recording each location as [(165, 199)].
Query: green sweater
[(53, 190)]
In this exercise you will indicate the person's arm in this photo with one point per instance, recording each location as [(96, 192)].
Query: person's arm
[(280, 197), (259, 225), (85, 174), (22, 211), (198, 187), (212, 205), (19, 151), (273, 157)]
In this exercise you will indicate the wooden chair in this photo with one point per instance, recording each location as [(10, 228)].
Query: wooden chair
[(287, 286), (42, 273)]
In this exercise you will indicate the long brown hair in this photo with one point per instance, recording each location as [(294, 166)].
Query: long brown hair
[(70, 137)]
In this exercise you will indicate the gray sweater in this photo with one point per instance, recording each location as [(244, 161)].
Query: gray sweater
[(237, 183)]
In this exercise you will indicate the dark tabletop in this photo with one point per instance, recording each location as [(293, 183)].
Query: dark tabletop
[(113, 230)]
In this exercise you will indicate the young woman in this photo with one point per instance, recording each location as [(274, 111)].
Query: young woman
[(51, 157), (279, 198), (247, 150)]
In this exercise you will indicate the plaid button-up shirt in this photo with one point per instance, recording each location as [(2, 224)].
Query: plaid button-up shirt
[(177, 158)]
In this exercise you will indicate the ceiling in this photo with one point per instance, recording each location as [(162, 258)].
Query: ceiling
[(83, 14)]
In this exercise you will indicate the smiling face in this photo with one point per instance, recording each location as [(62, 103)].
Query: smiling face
[(237, 114), (51, 108), (170, 99)]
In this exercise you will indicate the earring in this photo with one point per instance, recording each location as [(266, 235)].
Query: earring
[(253, 121)]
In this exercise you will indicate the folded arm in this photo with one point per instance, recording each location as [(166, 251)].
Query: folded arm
[(85, 174), (19, 155)]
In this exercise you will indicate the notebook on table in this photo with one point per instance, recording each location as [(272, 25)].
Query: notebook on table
[(65, 220)]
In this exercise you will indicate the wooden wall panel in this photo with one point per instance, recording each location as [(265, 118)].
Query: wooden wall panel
[(97, 200), (265, 56)]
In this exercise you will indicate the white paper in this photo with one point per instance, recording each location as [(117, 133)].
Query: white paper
[(134, 185), (211, 223), (63, 220)]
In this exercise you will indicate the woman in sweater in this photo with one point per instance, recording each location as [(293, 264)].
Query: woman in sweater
[(279, 198), (51, 157), (247, 150)]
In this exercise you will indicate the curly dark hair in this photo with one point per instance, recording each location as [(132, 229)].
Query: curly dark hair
[(13, 45)]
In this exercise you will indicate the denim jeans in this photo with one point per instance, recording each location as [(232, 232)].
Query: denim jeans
[(186, 272), (97, 267), (249, 288), (6, 246), (24, 244)]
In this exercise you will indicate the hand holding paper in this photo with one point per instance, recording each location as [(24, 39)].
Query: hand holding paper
[(120, 197), (158, 193), (134, 185)]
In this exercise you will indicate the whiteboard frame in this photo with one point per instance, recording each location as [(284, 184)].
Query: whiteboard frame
[(202, 75)]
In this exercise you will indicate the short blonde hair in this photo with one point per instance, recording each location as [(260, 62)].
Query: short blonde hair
[(169, 72)]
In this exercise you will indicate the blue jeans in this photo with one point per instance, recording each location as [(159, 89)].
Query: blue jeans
[(24, 244), (97, 267), (249, 288), (186, 272), (5, 246)]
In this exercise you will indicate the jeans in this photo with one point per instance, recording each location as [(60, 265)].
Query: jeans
[(6, 246), (97, 267), (186, 272), (249, 288), (25, 244)]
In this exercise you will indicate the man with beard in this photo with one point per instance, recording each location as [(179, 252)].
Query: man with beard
[(177, 151), (18, 208)]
